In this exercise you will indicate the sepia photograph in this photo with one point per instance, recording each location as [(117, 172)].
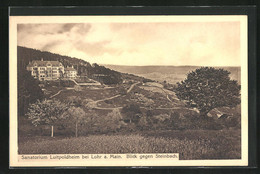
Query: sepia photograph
[(128, 90)]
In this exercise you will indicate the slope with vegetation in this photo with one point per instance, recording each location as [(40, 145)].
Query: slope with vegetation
[(130, 114)]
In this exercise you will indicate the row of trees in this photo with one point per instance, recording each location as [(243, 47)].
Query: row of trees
[(70, 114), (71, 117)]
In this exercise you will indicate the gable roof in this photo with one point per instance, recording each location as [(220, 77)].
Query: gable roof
[(43, 63), (69, 69)]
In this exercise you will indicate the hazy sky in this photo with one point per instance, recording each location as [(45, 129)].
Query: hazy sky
[(175, 43)]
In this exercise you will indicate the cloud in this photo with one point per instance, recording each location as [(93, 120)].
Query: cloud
[(179, 43)]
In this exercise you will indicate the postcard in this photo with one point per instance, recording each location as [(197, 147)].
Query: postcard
[(151, 90)]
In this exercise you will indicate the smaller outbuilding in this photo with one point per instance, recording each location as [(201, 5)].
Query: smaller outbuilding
[(70, 72)]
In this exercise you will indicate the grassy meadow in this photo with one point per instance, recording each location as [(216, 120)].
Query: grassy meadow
[(195, 144)]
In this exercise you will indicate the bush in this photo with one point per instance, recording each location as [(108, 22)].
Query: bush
[(89, 103), (132, 113), (231, 121), (193, 121), (140, 98), (112, 122), (161, 121), (143, 124), (77, 88)]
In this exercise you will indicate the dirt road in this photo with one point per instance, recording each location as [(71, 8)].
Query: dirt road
[(131, 87), (95, 103), (56, 93)]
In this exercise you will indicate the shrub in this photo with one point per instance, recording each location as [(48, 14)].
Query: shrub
[(77, 88), (193, 121), (231, 121), (112, 122), (140, 98), (132, 113), (143, 124), (161, 121)]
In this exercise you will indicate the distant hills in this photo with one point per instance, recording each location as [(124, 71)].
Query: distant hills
[(115, 73), (171, 74)]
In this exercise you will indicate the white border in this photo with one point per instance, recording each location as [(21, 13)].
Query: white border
[(14, 20)]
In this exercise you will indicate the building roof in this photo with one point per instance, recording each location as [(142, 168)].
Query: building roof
[(69, 69), (43, 63)]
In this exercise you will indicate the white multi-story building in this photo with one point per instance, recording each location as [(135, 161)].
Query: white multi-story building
[(49, 70)]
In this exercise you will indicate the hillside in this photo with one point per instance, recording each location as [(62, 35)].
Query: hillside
[(28, 87), (25, 55)]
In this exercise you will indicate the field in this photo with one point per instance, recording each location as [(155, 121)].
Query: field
[(194, 144)]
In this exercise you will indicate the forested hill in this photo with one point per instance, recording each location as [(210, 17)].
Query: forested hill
[(28, 87), (25, 55)]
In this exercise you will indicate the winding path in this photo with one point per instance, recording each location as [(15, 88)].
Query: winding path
[(131, 87), (56, 93), (86, 84), (167, 96), (95, 103)]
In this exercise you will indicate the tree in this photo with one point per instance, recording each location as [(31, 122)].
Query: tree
[(208, 88), (48, 112), (28, 91), (76, 115), (132, 113), (114, 120)]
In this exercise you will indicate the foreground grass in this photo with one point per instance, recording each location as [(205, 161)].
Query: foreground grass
[(207, 148)]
